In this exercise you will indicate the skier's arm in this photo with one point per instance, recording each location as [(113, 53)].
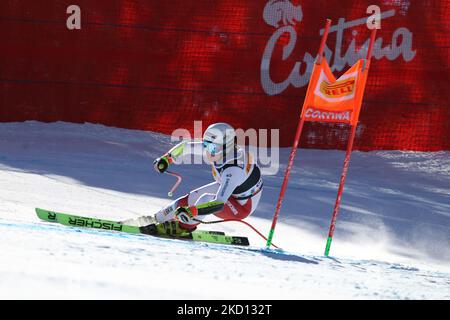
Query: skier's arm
[(161, 164)]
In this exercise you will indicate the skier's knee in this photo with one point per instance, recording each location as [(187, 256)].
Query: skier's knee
[(188, 225), (191, 223)]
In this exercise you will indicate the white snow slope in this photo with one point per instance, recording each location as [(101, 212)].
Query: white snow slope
[(392, 239)]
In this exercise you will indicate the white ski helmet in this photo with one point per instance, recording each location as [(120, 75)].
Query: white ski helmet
[(219, 137)]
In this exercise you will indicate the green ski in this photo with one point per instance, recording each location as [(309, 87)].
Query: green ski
[(94, 223)]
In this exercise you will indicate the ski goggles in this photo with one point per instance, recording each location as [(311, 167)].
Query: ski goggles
[(211, 147)]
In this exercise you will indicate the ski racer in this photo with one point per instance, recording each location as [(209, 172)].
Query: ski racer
[(234, 194)]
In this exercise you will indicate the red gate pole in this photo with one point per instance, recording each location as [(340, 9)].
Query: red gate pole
[(294, 147), (347, 159), (340, 190)]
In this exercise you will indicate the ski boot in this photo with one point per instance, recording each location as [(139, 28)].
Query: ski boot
[(169, 228), (173, 228)]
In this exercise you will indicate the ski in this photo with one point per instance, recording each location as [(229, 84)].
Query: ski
[(102, 224)]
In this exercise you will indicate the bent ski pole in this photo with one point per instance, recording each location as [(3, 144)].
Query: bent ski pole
[(175, 186)]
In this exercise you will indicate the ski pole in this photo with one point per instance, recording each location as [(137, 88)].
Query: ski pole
[(175, 186)]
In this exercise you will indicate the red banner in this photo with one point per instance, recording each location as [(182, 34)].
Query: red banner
[(160, 65)]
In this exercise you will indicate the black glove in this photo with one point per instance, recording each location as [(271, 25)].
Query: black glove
[(186, 213), (161, 164)]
